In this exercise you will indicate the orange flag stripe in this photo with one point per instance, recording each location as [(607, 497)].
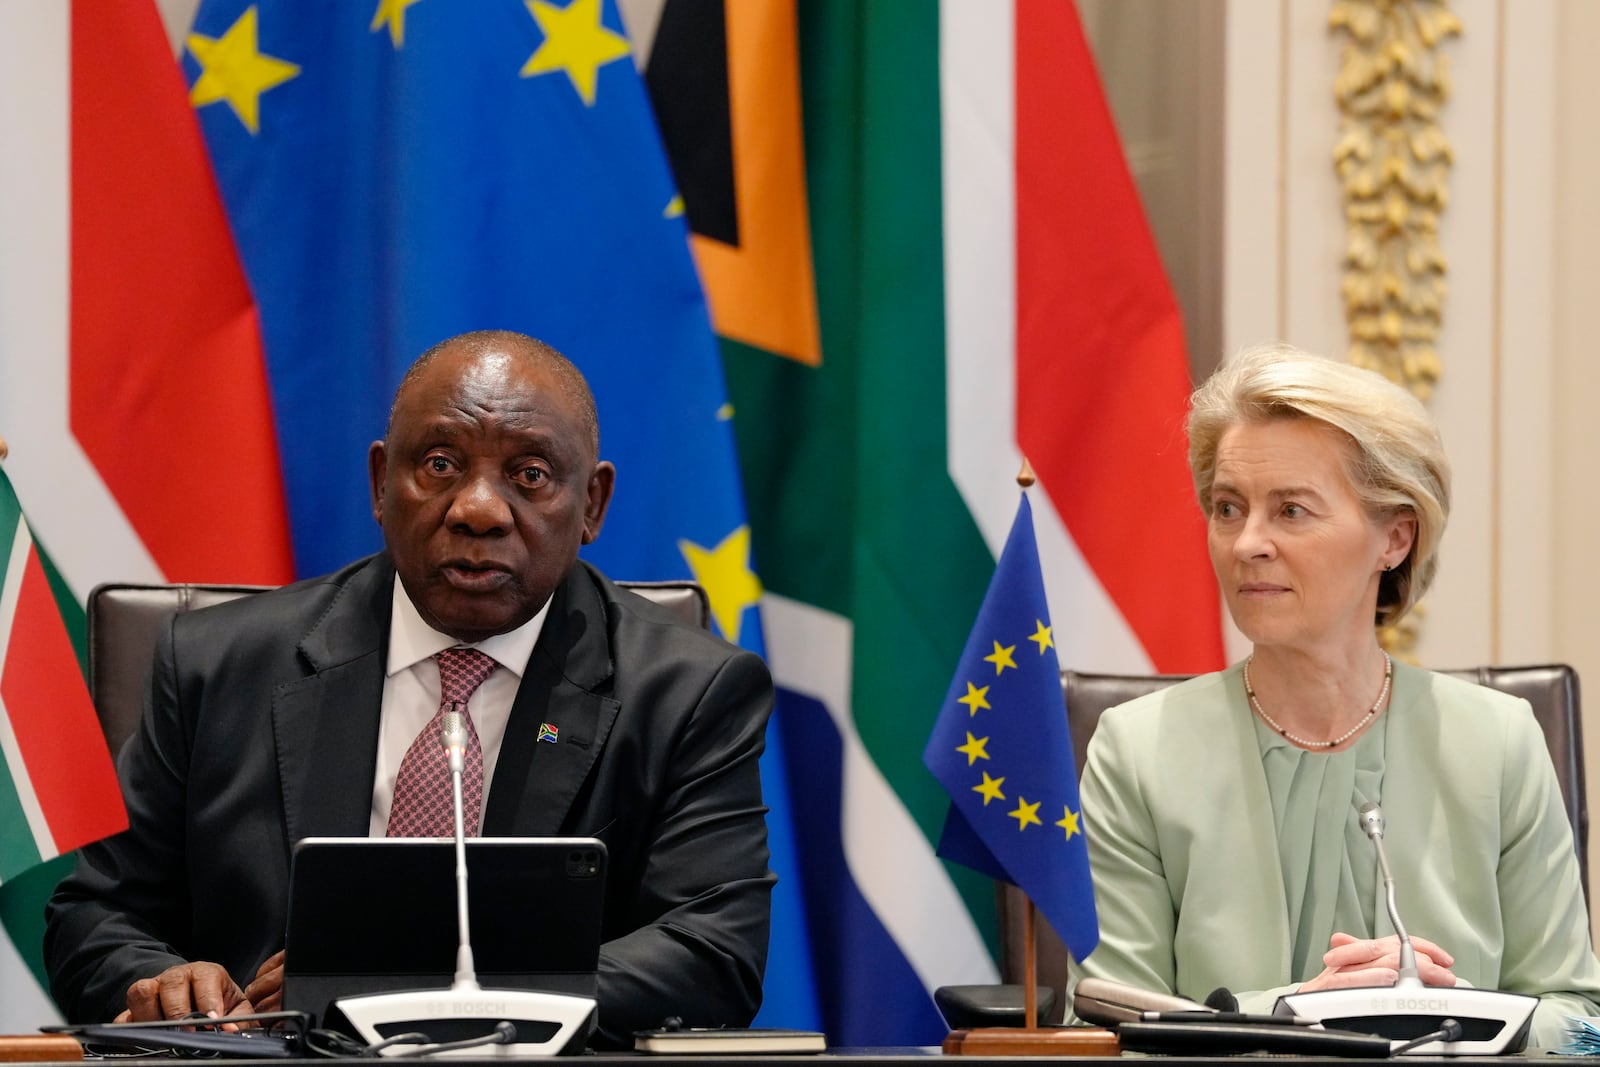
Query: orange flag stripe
[(763, 293)]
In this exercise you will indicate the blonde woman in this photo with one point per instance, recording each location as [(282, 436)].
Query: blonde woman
[(1222, 811)]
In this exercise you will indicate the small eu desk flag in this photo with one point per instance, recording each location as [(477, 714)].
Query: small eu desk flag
[(1002, 750)]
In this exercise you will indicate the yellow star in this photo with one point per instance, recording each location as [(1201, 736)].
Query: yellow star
[(1026, 813), (574, 42), (393, 14), (1001, 658), (1068, 822), (974, 748), (724, 572), (976, 698), (233, 70), (990, 788), (1041, 636)]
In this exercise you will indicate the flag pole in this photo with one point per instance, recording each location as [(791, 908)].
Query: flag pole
[(1030, 952), (1030, 969)]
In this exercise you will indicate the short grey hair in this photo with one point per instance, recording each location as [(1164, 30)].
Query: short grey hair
[(1399, 464)]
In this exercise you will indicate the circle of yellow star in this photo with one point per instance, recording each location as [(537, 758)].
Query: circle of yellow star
[(1068, 822), (974, 749), (1026, 813), (1041, 636), (1001, 658), (975, 699), (232, 68), (989, 788), (575, 43), (724, 573)]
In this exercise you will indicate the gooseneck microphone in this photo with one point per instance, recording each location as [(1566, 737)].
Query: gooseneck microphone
[(467, 1019), (1370, 818), (453, 736), (1420, 1019)]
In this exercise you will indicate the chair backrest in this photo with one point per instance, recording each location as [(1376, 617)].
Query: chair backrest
[(1552, 690), (124, 621)]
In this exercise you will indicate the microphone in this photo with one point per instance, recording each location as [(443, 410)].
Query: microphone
[(1370, 818), (453, 736), (466, 1016), (1421, 1019)]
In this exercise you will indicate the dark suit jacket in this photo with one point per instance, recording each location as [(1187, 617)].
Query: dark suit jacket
[(261, 729)]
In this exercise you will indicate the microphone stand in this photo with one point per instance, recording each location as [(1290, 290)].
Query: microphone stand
[(466, 1019), (1406, 976), (1429, 1020), (452, 733)]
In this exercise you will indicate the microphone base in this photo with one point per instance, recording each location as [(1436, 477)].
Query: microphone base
[(548, 1024), (1492, 1022)]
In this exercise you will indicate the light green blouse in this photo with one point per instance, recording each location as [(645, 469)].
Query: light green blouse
[(1319, 844)]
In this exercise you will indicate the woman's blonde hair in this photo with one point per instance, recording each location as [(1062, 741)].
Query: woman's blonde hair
[(1398, 464)]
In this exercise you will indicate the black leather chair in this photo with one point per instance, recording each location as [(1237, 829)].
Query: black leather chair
[(1552, 691), (124, 621)]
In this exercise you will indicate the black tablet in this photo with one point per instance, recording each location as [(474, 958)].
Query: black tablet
[(373, 915)]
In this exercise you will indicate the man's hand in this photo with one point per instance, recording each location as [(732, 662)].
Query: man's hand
[(265, 990), (1351, 962), (185, 989)]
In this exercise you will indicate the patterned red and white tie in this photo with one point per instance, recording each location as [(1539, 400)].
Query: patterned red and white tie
[(422, 805)]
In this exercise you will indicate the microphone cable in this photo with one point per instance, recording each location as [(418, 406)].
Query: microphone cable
[(504, 1033), (1449, 1030)]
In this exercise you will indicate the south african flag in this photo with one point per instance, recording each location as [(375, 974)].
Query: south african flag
[(58, 789)]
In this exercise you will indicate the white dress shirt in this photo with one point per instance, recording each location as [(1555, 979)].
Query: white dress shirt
[(411, 694)]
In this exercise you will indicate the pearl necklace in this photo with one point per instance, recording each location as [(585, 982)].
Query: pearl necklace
[(1383, 694)]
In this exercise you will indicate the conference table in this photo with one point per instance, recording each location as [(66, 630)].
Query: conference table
[(875, 1057), (890, 1057), (1091, 1044)]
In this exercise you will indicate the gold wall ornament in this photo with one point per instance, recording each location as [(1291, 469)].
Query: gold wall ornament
[(1393, 163)]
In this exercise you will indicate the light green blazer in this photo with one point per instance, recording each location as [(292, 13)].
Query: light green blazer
[(1184, 849)]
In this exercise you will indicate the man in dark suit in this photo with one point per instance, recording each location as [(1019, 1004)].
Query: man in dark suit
[(288, 715)]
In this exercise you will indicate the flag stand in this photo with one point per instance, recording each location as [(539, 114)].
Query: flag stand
[(1031, 1039)]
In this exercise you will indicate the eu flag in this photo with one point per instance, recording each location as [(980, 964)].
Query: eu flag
[(1002, 750)]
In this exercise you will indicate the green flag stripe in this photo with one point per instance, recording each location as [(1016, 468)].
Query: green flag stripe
[(22, 902), (851, 506)]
